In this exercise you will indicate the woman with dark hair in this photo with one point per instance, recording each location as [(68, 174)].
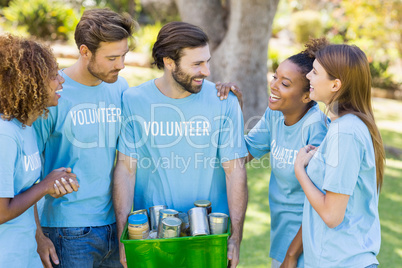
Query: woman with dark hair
[(292, 120), (343, 179), (28, 84)]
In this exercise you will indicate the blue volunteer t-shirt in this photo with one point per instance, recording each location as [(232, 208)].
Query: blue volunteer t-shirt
[(345, 164), (180, 145), (81, 132), (286, 197), (20, 168)]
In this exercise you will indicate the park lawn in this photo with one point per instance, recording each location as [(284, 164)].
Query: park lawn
[(255, 245)]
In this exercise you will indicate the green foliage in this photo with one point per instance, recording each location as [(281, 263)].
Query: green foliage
[(45, 19), (380, 77), (373, 25), (146, 37), (306, 24), (132, 7), (273, 59)]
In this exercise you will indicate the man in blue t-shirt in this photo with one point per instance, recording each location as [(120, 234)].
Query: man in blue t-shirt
[(179, 143), (81, 133)]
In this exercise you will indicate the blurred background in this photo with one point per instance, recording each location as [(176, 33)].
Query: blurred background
[(249, 38)]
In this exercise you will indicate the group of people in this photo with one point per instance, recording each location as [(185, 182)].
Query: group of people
[(177, 142)]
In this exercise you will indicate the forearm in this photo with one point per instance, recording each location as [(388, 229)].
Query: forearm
[(237, 194), (249, 157), (14, 207), (37, 221), (296, 247), (313, 194), (123, 194), (330, 207)]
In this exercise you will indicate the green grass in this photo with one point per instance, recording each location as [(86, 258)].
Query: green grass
[(255, 245)]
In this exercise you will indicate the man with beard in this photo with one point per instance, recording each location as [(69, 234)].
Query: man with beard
[(81, 133), (179, 143)]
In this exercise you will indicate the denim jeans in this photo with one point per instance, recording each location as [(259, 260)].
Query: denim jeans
[(372, 266), (85, 247)]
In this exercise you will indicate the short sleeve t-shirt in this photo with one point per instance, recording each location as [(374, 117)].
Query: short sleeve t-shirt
[(180, 145), (20, 167), (81, 132), (286, 197), (345, 164)]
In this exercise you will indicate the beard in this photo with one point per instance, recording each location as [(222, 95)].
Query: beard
[(185, 80), (108, 77)]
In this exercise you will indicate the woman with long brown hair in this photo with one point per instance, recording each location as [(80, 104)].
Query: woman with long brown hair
[(341, 226), (28, 84)]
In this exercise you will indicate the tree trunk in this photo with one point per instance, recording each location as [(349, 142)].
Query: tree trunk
[(239, 31)]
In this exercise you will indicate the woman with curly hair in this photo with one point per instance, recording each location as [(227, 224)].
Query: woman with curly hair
[(28, 84)]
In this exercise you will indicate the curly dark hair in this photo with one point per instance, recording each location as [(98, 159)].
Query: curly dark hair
[(304, 60), (25, 70)]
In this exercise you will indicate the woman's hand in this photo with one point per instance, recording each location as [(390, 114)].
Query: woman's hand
[(224, 88), (60, 182), (304, 156)]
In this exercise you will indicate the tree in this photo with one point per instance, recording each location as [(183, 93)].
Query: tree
[(239, 31)]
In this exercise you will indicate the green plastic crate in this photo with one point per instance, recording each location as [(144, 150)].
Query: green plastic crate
[(209, 251)]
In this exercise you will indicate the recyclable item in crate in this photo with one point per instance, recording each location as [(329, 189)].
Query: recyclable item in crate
[(140, 211), (166, 213), (185, 225), (204, 204), (138, 227), (198, 221), (154, 216), (218, 223), (208, 251), (169, 227)]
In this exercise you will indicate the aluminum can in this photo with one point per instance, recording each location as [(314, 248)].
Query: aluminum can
[(154, 216), (170, 227), (218, 223), (185, 226), (166, 213), (204, 204), (198, 221)]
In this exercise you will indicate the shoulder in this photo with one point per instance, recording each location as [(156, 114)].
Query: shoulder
[(136, 91), (121, 83), (349, 124), (117, 87), (315, 115), (352, 125), (9, 130), (209, 94)]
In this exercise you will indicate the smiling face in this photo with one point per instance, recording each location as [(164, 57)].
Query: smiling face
[(192, 68), (321, 87), (287, 90), (108, 60), (54, 85)]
